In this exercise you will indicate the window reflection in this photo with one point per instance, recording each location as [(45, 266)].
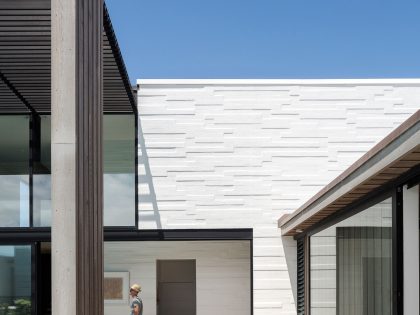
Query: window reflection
[(15, 279), (42, 173), (350, 265), (119, 170), (14, 171)]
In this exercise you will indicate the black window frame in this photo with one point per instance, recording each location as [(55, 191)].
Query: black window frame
[(394, 190), (30, 117), (135, 226), (33, 152)]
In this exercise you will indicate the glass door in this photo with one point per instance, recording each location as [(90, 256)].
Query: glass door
[(16, 294)]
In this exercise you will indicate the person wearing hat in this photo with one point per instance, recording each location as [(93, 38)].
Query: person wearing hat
[(137, 303)]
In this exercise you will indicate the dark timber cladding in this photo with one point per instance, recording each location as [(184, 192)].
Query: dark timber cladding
[(89, 193)]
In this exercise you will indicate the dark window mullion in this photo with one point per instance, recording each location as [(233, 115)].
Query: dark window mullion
[(34, 277), (397, 251), (31, 169), (34, 155)]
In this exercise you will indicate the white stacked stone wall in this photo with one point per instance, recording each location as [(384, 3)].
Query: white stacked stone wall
[(239, 154)]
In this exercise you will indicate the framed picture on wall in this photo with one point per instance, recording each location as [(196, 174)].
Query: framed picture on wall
[(116, 287)]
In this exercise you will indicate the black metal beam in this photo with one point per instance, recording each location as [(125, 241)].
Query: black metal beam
[(24, 235), (16, 92), (28, 235), (179, 235)]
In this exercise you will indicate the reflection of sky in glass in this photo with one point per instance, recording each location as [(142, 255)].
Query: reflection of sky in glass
[(24, 204), (42, 200), (14, 200), (42, 178), (119, 200), (14, 167), (8, 251), (15, 273), (42, 186), (119, 168)]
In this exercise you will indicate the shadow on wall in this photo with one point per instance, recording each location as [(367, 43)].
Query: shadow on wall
[(149, 217), (290, 254)]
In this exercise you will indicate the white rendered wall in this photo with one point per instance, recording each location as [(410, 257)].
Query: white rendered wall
[(222, 272), (411, 250), (230, 154)]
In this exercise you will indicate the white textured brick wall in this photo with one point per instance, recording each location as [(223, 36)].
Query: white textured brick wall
[(226, 154)]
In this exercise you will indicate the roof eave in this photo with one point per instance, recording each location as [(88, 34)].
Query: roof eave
[(402, 141)]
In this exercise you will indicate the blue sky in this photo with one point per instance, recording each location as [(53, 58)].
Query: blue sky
[(268, 38)]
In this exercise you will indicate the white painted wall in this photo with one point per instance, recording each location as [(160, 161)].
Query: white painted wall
[(411, 250), (222, 272), (235, 153)]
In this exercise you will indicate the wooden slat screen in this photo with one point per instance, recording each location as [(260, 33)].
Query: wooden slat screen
[(300, 304)]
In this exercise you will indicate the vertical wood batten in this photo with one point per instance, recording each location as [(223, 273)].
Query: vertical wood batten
[(89, 179)]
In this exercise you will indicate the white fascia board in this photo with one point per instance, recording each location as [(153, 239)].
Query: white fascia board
[(396, 81)]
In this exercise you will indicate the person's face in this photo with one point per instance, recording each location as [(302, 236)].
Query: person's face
[(133, 293)]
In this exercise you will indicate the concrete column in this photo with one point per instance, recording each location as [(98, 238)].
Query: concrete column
[(63, 158), (76, 153), (411, 250)]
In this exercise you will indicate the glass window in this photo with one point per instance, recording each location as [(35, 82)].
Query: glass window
[(351, 265), (42, 173), (119, 170), (15, 279), (14, 171)]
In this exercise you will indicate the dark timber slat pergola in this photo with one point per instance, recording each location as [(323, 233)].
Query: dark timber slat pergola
[(84, 60), (25, 61)]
